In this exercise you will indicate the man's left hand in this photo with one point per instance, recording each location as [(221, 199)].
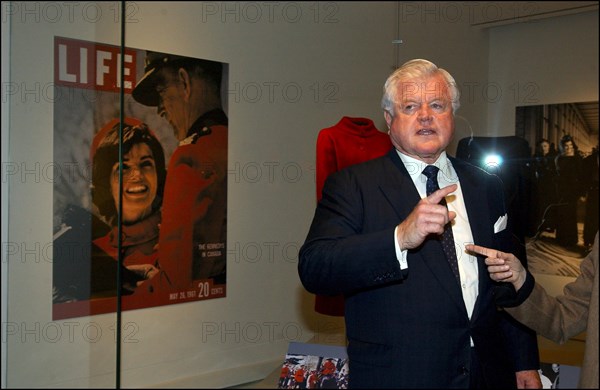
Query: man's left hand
[(529, 379)]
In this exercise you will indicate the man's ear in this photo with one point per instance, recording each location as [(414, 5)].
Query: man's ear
[(388, 119), (184, 79)]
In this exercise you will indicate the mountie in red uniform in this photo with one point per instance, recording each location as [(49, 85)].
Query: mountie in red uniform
[(194, 216)]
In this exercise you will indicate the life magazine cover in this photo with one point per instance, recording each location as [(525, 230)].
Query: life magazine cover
[(140, 201)]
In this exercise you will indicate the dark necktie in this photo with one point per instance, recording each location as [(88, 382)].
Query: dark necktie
[(447, 238)]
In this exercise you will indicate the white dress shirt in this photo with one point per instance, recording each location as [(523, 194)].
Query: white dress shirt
[(461, 229)]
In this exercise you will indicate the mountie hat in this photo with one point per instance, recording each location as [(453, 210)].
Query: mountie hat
[(145, 89)]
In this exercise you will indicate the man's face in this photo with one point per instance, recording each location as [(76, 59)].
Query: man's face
[(423, 124), (172, 102), (140, 183)]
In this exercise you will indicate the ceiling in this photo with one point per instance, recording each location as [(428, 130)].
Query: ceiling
[(497, 13)]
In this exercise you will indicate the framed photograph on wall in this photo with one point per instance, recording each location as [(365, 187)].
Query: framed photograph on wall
[(314, 366), (140, 178)]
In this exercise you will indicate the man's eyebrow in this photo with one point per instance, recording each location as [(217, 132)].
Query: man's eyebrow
[(410, 100)]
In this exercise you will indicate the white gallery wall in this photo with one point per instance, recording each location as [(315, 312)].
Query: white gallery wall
[(294, 68), (548, 61)]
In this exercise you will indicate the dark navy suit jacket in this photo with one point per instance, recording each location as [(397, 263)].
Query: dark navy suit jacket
[(410, 328)]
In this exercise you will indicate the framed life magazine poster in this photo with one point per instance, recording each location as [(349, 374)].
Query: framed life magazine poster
[(172, 193)]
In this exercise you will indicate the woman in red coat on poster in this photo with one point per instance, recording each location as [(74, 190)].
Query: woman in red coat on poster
[(143, 181)]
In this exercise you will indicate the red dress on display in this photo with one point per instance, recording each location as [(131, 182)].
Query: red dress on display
[(350, 141)]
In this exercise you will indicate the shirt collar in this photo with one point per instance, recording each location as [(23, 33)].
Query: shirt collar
[(446, 176), (415, 167)]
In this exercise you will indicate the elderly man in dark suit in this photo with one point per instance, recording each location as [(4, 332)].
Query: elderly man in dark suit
[(419, 309)]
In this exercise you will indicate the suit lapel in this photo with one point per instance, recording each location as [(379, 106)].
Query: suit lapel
[(475, 203), (397, 186)]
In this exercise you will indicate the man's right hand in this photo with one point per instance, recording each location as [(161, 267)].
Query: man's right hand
[(427, 217)]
